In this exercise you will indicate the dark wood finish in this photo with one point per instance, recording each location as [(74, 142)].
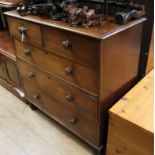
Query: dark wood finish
[(78, 75), (9, 71), (2, 68), (6, 45), (107, 28), (31, 32), (9, 76), (96, 84), (12, 71), (81, 126), (72, 46), (69, 96)]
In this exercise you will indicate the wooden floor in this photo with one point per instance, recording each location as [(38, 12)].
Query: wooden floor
[(27, 132)]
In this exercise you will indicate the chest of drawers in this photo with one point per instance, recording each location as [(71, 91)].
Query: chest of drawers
[(75, 74)]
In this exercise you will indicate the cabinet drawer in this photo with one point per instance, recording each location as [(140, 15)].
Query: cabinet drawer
[(71, 97), (26, 31), (72, 120), (70, 45), (74, 73)]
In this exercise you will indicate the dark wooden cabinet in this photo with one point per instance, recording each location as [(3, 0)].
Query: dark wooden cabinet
[(12, 72), (9, 71), (9, 76), (76, 74), (2, 68)]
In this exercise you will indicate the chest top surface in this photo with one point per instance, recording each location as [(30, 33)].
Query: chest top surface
[(137, 105), (103, 31)]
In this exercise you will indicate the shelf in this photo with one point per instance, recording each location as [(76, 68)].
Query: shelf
[(6, 45)]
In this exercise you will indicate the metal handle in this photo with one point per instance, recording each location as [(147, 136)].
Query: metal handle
[(27, 52), (69, 98), (69, 70), (73, 120), (36, 96), (31, 75), (66, 44), (22, 31)]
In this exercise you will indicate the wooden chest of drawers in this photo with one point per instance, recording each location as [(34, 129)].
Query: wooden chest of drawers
[(75, 74)]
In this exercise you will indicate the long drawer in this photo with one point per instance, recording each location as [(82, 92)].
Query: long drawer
[(71, 119), (74, 73), (69, 96), (70, 45), (25, 31)]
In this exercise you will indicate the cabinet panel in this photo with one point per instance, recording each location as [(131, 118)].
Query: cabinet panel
[(2, 69), (12, 72)]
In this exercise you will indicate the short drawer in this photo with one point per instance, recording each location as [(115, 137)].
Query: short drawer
[(71, 45), (73, 73), (71, 97), (25, 31)]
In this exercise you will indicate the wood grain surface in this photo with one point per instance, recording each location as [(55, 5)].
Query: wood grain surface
[(131, 125)]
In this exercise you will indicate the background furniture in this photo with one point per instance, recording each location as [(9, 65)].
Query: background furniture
[(75, 74), (131, 124), (9, 77)]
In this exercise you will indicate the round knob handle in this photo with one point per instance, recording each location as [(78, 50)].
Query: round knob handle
[(69, 70), (66, 44), (69, 98), (36, 96), (73, 120), (31, 75), (27, 52)]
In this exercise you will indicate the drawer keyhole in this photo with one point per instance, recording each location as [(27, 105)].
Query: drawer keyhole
[(22, 31), (73, 120)]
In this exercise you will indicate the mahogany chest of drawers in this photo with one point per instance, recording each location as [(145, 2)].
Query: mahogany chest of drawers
[(75, 74)]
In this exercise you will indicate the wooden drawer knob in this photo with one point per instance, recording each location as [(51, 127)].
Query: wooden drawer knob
[(66, 44), (22, 31), (31, 75), (73, 120), (70, 98), (27, 52), (69, 71), (36, 96)]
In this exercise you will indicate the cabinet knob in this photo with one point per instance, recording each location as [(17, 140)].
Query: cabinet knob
[(69, 98), (22, 31), (31, 75), (66, 44), (73, 120), (27, 52), (36, 96), (69, 70)]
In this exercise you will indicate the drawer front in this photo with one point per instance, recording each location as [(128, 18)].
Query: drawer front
[(70, 45), (72, 120), (78, 75), (25, 31), (69, 96)]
